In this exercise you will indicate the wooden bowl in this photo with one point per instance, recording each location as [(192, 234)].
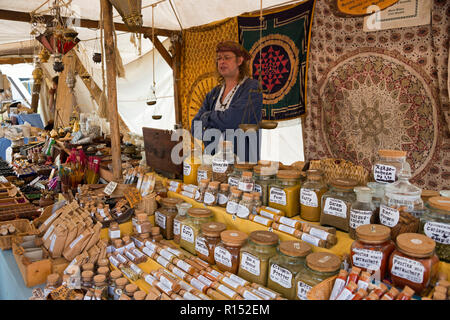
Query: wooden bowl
[(248, 126), (268, 124), (156, 117)]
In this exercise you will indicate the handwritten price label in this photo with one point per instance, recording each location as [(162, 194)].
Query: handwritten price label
[(109, 189)]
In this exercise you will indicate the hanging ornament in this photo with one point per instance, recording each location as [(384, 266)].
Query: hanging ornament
[(151, 96), (97, 57), (58, 65)]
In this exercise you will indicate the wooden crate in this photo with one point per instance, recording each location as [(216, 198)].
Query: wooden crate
[(23, 227)]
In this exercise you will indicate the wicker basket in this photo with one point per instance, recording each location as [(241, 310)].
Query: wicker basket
[(23, 227), (338, 168), (322, 291), (148, 204)]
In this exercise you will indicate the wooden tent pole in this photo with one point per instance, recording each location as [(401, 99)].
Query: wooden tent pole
[(111, 74), (176, 67), (35, 96)]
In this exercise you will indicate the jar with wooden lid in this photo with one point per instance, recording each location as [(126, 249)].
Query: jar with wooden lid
[(245, 207), (284, 193), (336, 204), (362, 210), (160, 189), (113, 276), (87, 279), (139, 295), (435, 224), (190, 168), (246, 182), (102, 262), (372, 249), (190, 227), (319, 266), (257, 203), (204, 171), (222, 196), (264, 177), (211, 193), (233, 201), (227, 251), (182, 209), (87, 267), (207, 240), (283, 267), (200, 193), (311, 194), (52, 283), (414, 262), (130, 289), (104, 271), (386, 168), (100, 283), (402, 206), (255, 255), (223, 162), (235, 176), (165, 215)]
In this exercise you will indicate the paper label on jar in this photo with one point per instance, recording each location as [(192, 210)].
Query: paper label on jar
[(359, 218), (267, 292), (222, 199), (130, 255), (150, 245), (149, 279), (138, 228), (242, 212), (261, 220), (247, 295), (227, 291), (160, 219), (190, 296), (186, 169), (175, 251), (137, 253), (222, 256), (176, 227), (202, 175), (113, 261), (281, 275), (310, 239), (250, 263), (173, 189), (162, 261), (232, 207), (187, 234), (308, 198), (408, 269), (439, 232), (187, 194), (135, 268), (115, 234), (369, 259), (121, 258), (402, 201), (335, 207), (166, 282), (286, 229), (245, 186), (197, 195), (209, 198), (219, 165), (257, 188), (302, 290), (383, 173), (74, 242), (233, 182), (278, 196), (201, 247), (389, 216)]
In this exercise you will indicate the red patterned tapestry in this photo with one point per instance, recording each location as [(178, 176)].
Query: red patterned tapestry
[(380, 90)]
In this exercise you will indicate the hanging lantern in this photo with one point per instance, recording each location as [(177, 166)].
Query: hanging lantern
[(130, 11), (58, 65), (56, 42), (97, 57)]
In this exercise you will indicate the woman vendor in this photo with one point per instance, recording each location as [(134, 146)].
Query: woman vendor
[(230, 103)]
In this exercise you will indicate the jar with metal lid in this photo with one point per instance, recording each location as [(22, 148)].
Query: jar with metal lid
[(223, 162), (263, 176), (319, 266), (389, 164), (233, 200), (402, 206), (211, 193), (283, 267), (255, 255), (245, 206), (414, 262), (207, 240), (311, 194), (190, 227), (284, 193), (227, 251), (182, 214), (165, 215), (372, 249), (236, 174), (336, 203), (362, 210), (205, 170), (190, 169), (435, 224), (222, 196)]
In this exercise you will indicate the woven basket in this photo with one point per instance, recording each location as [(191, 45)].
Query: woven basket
[(322, 291), (149, 204), (339, 168), (23, 227)]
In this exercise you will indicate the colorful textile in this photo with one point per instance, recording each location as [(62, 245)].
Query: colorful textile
[(279, 50)]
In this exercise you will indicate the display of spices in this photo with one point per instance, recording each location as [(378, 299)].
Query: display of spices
[(207, 240), (190, 169), (233, 200), (236, 175), (245, 207), (165, 215), (178, 220), (200, 193), (223, 162), (284, 194), (222, 196), (227, 251), (190, 227), (211, 194), (264, 177), (311, 195), (204, 171)]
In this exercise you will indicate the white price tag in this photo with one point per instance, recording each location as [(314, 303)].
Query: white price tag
[(160, 220), (439, 232), (302, 290), (408, 269), (219, 166), (384, 173), (277, 196), (369, 259), (232, 207), (109, 189), (201, 247), (335, 207), (281, 275), (186, 169), (233, 182), (222, 256), (308, 198), (250, 263), (359, 218), (389, 216), (187, 234)]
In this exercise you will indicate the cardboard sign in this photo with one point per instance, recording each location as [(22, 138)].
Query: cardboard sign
[(362, 7)]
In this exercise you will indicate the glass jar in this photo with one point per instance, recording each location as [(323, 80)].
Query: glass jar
[(284, 194), (319, 266), (402, 206), (414, 262), (160, 189), (377, 197), (200, 193), (310, 195), (290, 259), (428, 194), (205, 170), (246, 182), (190, 169), (362, 210), (255, 255), (164, 216), (435, 224), (236, 174), (223, 162), (222, 196), (177, 221), (113, 276), (245, 206), (263, 176), (52, 283), (210, 197), (386, 168), (87, 279), (372, 249), (227, 251), (207, 240), (190, 227), (233, 200), (336, 203), (257, 203)]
